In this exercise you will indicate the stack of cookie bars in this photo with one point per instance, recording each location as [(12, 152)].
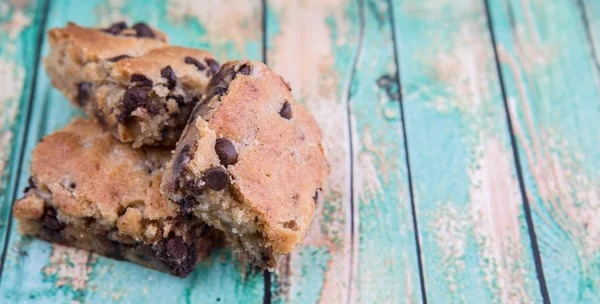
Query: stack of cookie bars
[(178, 153)]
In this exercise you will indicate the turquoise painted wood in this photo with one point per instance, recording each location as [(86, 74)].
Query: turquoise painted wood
[(20, 25), (474, 240), (386, 252), (553, 90), (343, 59), (319, 73), (324, 80)]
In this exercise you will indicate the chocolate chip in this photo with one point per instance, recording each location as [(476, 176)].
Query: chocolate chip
[(153, 109), (187, 204), (178, 99), (72, 185), (226, 151), (169, 75), (286, 111), (140, 80), (83, 93), (31, 182), (114, 251), (179, 260), (49, 220), (177, 250), (245, 69), (116, 28), (117, 58), (143, 30), (31, 185), (213, 64), (216, 178), (316, 197), (194, 61), (134, 98)]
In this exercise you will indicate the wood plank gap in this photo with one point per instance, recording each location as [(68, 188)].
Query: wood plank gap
[(359, 48), (268, 293), (264, 30), (527, 208), (588, 32), (407, 158), (21, 145), (267, 284)]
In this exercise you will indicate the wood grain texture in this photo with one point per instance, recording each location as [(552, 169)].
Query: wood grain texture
[(474, 241), (386, 252), (339, 57), (36, 271), (552, 88), (590, 10), (313, 44)]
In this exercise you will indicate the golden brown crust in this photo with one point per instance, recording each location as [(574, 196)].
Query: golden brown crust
[(82, 65), (280, 162), (152, 62), (88, 173), (91, 44), (29, 207)]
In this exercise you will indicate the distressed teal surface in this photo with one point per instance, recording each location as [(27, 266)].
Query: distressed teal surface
[(474, 241), (17, 60), (552, 84), (339, 57), (386, 248), (301, 279)]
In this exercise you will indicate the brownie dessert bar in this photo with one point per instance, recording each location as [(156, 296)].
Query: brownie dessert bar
[(250, 163), (129, 79), (90, 191)]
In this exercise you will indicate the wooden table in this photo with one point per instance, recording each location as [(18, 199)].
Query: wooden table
[(463, 138)]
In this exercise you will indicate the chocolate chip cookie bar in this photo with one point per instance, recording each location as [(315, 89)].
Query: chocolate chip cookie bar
[(250, 163), (90, 191), (129, 79)]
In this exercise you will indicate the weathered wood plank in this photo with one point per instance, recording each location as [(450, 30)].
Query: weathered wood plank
[(386, 247), (553, 91), (474, 239), (20, 26), (37, 271), (312, 45)]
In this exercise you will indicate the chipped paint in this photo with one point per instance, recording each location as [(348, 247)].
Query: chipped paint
[(451, 226), (409, 292), (12, 77), (368, 184), (17, 23), (111, 11), (567, 194), (466, 73), (482, 237), (316, 82), (70, 266), (495, 213), (244, 16)]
